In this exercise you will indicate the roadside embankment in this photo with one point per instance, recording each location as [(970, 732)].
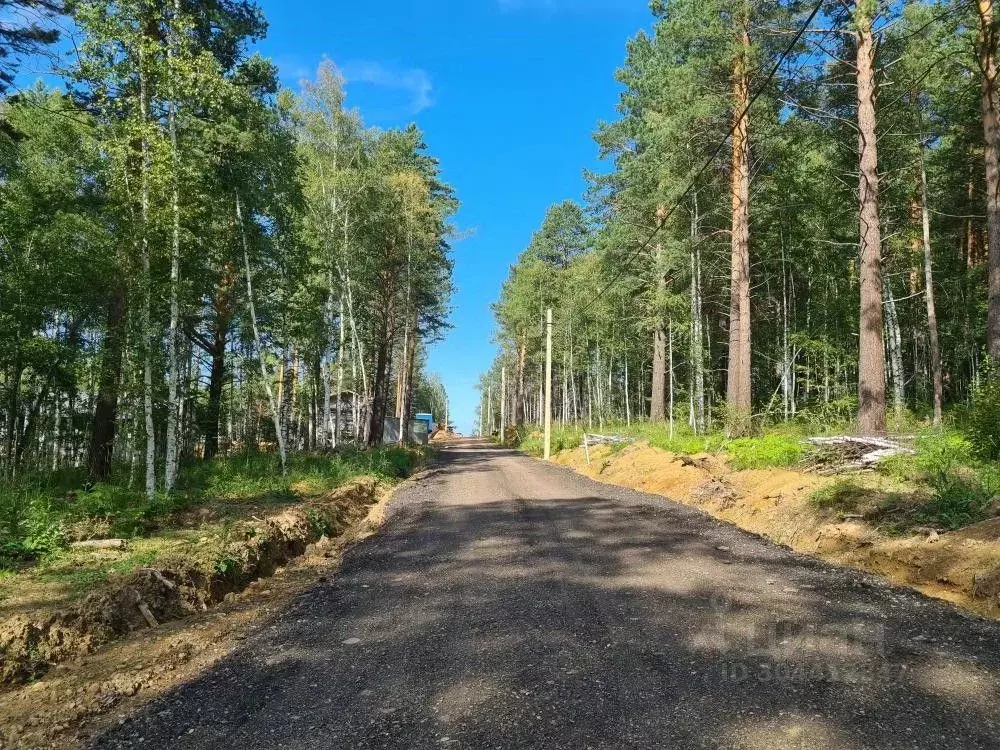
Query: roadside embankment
[(786, 505)]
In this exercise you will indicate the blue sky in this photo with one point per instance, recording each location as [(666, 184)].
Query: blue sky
[(508, 93)]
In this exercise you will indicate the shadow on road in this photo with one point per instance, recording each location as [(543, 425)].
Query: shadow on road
[(604, 618)]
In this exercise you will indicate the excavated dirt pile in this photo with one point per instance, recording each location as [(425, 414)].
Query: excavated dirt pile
[(32, 644)]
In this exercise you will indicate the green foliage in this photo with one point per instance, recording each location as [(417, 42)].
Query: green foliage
[(937, 455), (957, 501), (961, 487), (392, 462), (29, 526), (318, 522), (765, 452), (34, 523), (563, 438), (983, 426), (771, 450)]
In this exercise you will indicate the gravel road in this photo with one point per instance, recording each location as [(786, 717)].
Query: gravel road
[(509, 603)]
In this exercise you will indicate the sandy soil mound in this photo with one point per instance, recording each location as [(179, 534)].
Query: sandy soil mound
[(962, 566)]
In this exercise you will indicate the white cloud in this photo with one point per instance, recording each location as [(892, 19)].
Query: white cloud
[(574, 6), (415, 82), (292, 69)]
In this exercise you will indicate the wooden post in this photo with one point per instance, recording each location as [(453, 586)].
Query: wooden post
[(548, 383)]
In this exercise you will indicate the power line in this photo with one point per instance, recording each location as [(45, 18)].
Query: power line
[(737, 121)]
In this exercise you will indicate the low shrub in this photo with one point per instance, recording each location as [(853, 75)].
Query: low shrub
[(958, 501), (983, 425), (29, 527), (961, 487), (842, 495)]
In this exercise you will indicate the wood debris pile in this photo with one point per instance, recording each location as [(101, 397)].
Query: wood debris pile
[(846, 452)]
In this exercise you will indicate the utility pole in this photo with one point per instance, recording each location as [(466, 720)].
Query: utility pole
[(548, 383), (503, 404)]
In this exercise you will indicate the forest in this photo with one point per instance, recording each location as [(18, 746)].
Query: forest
[(196, 262), (799, 225)]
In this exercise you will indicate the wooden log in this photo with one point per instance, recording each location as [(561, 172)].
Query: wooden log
[(147, 614), (100, 544)]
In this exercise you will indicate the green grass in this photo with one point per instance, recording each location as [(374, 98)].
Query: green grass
[(843, 496), (945, 484), (961, 485), (775, 449), (768, 451), (41, 515)]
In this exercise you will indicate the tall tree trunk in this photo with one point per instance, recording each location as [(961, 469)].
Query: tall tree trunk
[(697, 391), (386, 337), (991, 130), (341, 334), (871, 355), (671, 385), (657, 407), (503, 404), (932, 325), (522, 356), (105, 421), (787, 366), (13, 408), (738, 390), (216, 350), (286, 393), (146, 325), (265, 378), (173, 336), (895, 345)]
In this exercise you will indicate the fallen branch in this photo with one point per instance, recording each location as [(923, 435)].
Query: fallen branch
[(862, 451), (100, 544)]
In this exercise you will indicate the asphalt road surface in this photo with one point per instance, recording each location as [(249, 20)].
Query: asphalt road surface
[(512, 604)]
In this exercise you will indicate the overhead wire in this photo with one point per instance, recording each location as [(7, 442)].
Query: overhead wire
[(712, 157)]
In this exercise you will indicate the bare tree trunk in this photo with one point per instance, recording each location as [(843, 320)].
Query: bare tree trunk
[(173, 407), (871, 356), (572, 379), (522, 355), (932, 325), (991, 129), (670, 354), (105, 422), (216, 349), (786, 349), (324, 435), (148, 340), (503, 404), (628, 406), (265, 378), (385, 344), (340, 374), (697, 397), (738, 389), (895, 344), (286, 392), (657, 408)]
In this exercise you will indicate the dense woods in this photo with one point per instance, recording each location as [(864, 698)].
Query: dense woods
[(194, 261), (800, 221)]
